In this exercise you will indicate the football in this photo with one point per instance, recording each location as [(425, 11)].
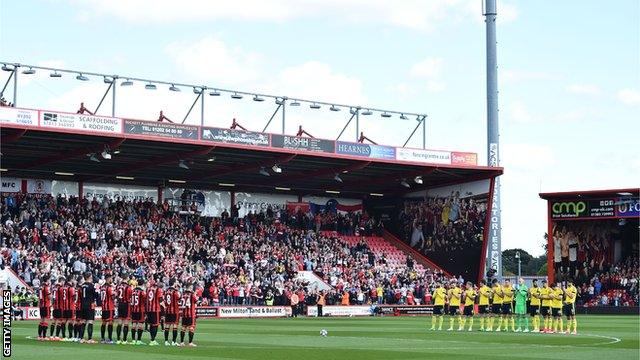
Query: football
[(323, 333)]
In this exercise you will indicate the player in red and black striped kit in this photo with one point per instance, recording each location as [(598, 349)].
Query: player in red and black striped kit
[(123, 295), (45, 304), (69, 312), (59, 293), (188, 304), (154, 297), (137, 307), (171, 302), (107, 296)]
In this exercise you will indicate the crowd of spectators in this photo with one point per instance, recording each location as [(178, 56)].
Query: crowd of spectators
[(616, 287), (443, 224), (251, 260)]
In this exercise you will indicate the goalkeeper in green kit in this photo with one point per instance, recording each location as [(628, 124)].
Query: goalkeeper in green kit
[(521, 305)]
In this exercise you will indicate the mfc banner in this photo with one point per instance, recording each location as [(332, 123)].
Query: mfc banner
[(11, 185)]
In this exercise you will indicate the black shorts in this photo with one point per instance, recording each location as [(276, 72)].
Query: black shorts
[(453, 310), (173, 318), (568, 310), (468, 310), (57, 314), (107, 315), (153, 318), (496, 309), (123, 311), (88, 314), (556, 312), (483, 309), (44, 313), (137, 317), (67, 314), (437, 309), (188, 321), (545, 311), (506, 309), (534, 310)]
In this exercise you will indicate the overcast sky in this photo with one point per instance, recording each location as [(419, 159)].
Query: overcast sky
[(569, 76)]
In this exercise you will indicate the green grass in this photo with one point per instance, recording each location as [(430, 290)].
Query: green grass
[(601, 337)]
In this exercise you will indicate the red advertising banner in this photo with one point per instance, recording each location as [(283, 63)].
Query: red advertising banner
[(464, 158)]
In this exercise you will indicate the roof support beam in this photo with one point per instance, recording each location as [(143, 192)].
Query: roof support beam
[(243, 167), (320, 173), (71, 154)]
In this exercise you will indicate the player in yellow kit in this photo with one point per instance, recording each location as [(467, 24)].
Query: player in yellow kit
[(496, 306), (557, 294), (469, 300), (439, 298), (534, 305), (569, 307), (545, 308), (507, 306), (454, 296), (484, 293)]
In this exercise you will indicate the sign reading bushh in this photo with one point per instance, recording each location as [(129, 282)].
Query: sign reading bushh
[(366, 150), (161, 129), (303, 143), (82, 122), (424, 156), (9, 115), (232, 136)]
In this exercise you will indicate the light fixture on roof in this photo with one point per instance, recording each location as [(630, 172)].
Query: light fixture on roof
[(276, 169), (82, 77), (405, 183), (116, 151), (3, 170), (211, 159), (366, 112), (294, 103), (150, 86), (625, 193), (376, 194), (334, 108), (126, 83), (29, 71), (227, 184), (385, 115), (6, 67), (214, 93), (314, 106), (107, 80), (353, 111), (174, 88), (93, 158), (63, 173), (257, 98), (332, 192), (418, 180), (197, 90), (183, 165), (279, 101), (236, 96), (105, 155), (403, 117), (337, 178), (177, 181), (124, 177), (283, 188), (264, 172), (55, 74)]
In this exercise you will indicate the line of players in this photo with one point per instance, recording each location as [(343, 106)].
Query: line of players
[(73, 303), (496, 303)]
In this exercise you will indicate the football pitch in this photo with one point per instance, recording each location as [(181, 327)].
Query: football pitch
[(600, 337)]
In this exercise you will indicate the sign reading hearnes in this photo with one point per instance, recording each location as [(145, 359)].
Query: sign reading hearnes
[(303, 143), (583, 209), (233, 136), (82, 122), (366, 150), (161, 129)]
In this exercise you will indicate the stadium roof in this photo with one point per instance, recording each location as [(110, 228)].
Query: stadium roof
[(591, 194), (54, 145)]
